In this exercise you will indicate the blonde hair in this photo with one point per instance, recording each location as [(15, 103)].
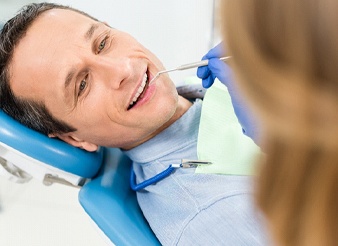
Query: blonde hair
[(285, 58)]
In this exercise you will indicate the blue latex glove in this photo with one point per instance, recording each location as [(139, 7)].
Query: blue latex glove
[(219, 69)]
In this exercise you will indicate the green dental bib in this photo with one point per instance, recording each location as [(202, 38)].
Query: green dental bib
[(220, 137)]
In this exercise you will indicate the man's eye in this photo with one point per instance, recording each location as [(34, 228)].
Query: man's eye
[(82, 86), (102, 45)]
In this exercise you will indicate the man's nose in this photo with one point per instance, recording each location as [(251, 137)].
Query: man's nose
[(113, 71)]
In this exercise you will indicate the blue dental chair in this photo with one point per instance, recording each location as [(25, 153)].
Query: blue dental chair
[(102, 176)]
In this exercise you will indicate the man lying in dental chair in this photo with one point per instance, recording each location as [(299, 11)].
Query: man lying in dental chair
[(70, 76)]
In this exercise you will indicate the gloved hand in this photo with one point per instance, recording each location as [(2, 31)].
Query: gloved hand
[(219, 69)]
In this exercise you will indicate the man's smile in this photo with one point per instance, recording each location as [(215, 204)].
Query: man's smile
[(140, 91)]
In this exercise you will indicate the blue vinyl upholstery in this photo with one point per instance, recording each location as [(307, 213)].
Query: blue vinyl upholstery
[(51, 151), (111, 203)]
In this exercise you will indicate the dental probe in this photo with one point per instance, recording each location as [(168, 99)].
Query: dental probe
[(188, 66)]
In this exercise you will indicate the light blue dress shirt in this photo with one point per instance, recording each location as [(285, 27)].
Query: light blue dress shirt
[(194, 209)]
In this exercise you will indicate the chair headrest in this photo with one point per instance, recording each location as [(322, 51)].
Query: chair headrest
[(51, 151)]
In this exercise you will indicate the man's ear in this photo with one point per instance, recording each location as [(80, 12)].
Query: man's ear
[(72, 140)]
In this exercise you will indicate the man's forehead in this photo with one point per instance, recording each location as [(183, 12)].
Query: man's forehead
[(55, 25), (56, 18)]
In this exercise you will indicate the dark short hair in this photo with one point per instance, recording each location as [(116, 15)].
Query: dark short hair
[(33, 114)]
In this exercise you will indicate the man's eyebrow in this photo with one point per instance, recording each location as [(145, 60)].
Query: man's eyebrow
[(69, 77), (88, 35)]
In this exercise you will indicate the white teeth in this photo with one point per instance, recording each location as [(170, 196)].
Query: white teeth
[(145, 77), (140, 89)]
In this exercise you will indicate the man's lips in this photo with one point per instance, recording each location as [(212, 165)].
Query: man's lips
[(138, 94)]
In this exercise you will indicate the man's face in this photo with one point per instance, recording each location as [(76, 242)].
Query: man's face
[(87, 74)]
